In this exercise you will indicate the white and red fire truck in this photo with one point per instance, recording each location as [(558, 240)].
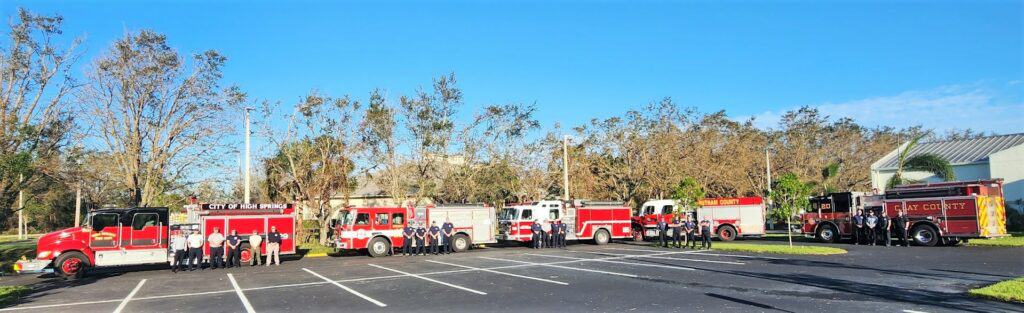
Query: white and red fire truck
[(586, 220), (946, 212), (133, 236), (730, 217), (378, 229)]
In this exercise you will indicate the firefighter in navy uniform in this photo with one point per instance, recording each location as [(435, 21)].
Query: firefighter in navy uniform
[(448, 229), (677, 231), (536, 228), (691, 229), (858, 227), (705, 234), (884, 225), (562, 231), (435, 236), (409, 234), (899, 224), (662, 230), (421, 234)]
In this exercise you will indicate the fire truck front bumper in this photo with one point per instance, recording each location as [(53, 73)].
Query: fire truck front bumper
[(32, 266)]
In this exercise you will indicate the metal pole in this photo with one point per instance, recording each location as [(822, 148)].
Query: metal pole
[(247, 169), (78, 206), (768, 169), (21, 208), (565, 167)]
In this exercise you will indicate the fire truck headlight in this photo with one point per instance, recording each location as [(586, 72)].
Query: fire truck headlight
[(43, 255)]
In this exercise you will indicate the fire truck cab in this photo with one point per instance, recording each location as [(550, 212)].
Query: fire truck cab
[(378, 229)]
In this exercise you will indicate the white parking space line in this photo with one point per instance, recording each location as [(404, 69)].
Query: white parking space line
[(662, 257), (59, 305), (429, 279), (124, 302), (501, 273), (613, 262), (241, 295), (563, 267), (704, 252), (378, 303)]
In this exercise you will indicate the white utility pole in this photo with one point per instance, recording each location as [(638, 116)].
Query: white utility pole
[(78, 205), (247, 158), (21, 208), (565, 167), (768, 169)]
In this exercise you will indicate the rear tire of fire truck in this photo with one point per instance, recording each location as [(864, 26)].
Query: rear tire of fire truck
[(244, 255), (601, 237), (378, 247), (71, 265), (827, 234), (925, 235), (460, 243), (727, 233)]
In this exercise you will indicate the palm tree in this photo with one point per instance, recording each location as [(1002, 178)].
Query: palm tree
[(925, 162)]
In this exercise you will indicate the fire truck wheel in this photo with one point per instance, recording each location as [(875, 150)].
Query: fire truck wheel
[(460, 243), (71, 265), (726, 233), (601, 237), (378, 247), (925, 235), (244, 255), (827, 233)]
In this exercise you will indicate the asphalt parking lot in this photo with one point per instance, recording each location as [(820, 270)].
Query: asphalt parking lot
[(612, 278)]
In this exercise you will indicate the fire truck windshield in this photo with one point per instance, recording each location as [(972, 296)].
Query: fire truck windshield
[(345, 217), (509, 214)]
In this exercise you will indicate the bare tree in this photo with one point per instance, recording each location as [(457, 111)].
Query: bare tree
[(158, 117)]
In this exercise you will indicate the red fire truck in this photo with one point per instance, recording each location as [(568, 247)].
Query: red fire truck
[(947, 212), (378, 229), (586, 220), (730, 217), (132, 236)]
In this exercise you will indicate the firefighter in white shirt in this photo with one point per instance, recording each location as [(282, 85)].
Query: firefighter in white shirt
[(216, 241), (180, 248), (195, 250)]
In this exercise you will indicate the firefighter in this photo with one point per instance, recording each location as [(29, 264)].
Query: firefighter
[(216, 240), (180, 251), (449, 231), (869, 226), (536, 229), (545, 234), (677, 231), (900, 224), (562, 228), (884, 227), (195, 250), (435, 234), (705, 234), (421, 234), (409, 234), (691, 229), (662, 229), (858, 227), (234, 255)]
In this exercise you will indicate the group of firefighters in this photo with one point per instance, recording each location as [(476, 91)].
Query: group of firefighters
[(684, 232), (188, 249), (434, 240), (871, 228), (548, 235)]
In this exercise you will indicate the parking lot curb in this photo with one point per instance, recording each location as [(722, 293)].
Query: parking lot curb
[(315, 255)]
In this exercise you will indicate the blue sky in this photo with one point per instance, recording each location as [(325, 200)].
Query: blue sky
[(881, 62)]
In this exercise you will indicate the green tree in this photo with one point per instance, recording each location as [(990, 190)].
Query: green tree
[(688, 194), (789, 195), (924, 162)]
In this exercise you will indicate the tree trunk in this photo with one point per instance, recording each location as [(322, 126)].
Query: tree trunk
[(789, 230)]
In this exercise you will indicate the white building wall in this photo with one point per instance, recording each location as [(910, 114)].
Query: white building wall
[(1009, 165)]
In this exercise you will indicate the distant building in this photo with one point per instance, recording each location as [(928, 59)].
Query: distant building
[(972, 159)]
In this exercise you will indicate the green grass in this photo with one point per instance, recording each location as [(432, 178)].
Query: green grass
[(1014, 240), (1009, 291), (11, 251), (11, 294), (308, 248), (776, 248)]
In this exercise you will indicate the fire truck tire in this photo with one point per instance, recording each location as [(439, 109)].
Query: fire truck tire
[(461, 243), (244, 255), (71, 265), (378, 247), (925, 235), (601, 237), (827, 233), (727, 233)]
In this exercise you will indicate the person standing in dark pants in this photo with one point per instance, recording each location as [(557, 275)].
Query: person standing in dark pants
[(662, 230), (562, 232), (858, 227), (870, 222), (409, 234), (884, 227), (677, 231), (234, 242), (435, 236), (900, 224), (195, 250), (421, 236), (448, 230), (705, 234), (536, 230), (691, 230), (180, 248)]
